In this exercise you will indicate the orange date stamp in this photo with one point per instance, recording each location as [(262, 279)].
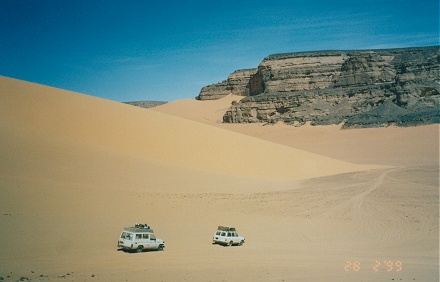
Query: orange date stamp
[(376, 266)]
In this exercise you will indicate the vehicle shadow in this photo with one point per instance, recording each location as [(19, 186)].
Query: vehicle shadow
[(227, 245), (136, 252)]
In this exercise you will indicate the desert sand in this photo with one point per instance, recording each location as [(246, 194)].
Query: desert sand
[(314, 203)]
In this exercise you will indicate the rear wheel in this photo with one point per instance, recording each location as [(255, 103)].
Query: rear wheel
[(230, 243), (139, 249)]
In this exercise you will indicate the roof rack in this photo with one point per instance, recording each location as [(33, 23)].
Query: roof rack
[(225, 228), (142, 225)]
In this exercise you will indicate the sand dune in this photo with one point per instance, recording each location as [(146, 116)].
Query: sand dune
[(390, 146), (75, 170), (62, 118)]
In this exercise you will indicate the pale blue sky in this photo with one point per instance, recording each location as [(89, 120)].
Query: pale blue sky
[(168, 50)]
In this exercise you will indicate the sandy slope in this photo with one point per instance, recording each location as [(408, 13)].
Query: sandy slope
[(87, 122), (391, 145), (75, 170)]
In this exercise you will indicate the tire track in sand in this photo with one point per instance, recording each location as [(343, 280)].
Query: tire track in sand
[(366, 216), (358, 199)]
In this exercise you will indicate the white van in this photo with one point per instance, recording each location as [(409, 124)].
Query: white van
[(138, 238), (227, 236)]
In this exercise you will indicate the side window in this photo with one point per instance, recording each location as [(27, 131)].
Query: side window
[(229, 234), (152, 237), (144, 236), (138, 236), (223, 234)]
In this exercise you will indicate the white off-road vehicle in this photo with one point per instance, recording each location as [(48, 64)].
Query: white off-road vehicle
[(227, 236), (138, 238)]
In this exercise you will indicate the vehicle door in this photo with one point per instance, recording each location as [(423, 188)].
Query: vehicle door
[(152, 241), (146, 241), (230, 237), (139, 241), (223, 235), (234, 237), (126, 238)]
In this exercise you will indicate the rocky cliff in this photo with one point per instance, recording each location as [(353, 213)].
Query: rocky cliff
[(362, 88), (237, 84)]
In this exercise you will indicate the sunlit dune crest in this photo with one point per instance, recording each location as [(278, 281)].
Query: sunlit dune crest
[(133, 132)]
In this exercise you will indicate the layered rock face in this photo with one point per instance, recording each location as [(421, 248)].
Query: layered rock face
[(237, 84), (361, 88)]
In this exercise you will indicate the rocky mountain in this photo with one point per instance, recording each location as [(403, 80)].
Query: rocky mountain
[(362, 88), (145, 104)]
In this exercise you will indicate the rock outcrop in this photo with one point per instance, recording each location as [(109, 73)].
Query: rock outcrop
[(361, 88), (237, 84), (146, 104)]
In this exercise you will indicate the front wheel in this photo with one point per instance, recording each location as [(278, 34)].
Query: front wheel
[(230, 243), (241, 243), (160, 248), (139, 249)]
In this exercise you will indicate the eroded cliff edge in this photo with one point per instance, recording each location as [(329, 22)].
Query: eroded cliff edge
[(362, 88)]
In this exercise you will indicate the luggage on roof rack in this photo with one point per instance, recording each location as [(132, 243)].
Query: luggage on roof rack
[(141, 225), (225, 228)]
